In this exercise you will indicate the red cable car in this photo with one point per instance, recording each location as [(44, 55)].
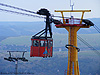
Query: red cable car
[(42, 45)]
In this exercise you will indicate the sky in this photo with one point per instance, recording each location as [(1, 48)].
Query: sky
[(51, 5)]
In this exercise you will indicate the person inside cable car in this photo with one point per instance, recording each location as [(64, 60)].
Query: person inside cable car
[(36, 43), (42, 43)]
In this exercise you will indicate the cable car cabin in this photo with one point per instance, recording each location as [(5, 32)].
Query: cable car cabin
[(41, 47), (42, 42)]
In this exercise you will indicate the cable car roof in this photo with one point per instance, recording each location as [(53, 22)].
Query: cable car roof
[(36, 37)]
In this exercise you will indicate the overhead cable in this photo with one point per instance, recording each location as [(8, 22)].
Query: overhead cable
[(21, 13), (97, 28), (6, 5), (25, 10), (87, 44), (17, 8)]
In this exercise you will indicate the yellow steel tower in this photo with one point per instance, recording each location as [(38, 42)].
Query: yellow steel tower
[(72, 25)]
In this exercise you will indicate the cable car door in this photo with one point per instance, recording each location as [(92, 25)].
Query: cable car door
[(49, 48), (35, 48), (45, 52)]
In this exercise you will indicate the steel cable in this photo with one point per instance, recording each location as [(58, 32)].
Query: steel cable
[(87, 44), (17, 8), (32, 11), (97, 28), (20, 13)]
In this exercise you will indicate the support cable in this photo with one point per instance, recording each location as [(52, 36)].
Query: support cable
[(31, 11), (20, 13), (28, 12), (25, 10), (87, 44), (17, 8), (97, 28)]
